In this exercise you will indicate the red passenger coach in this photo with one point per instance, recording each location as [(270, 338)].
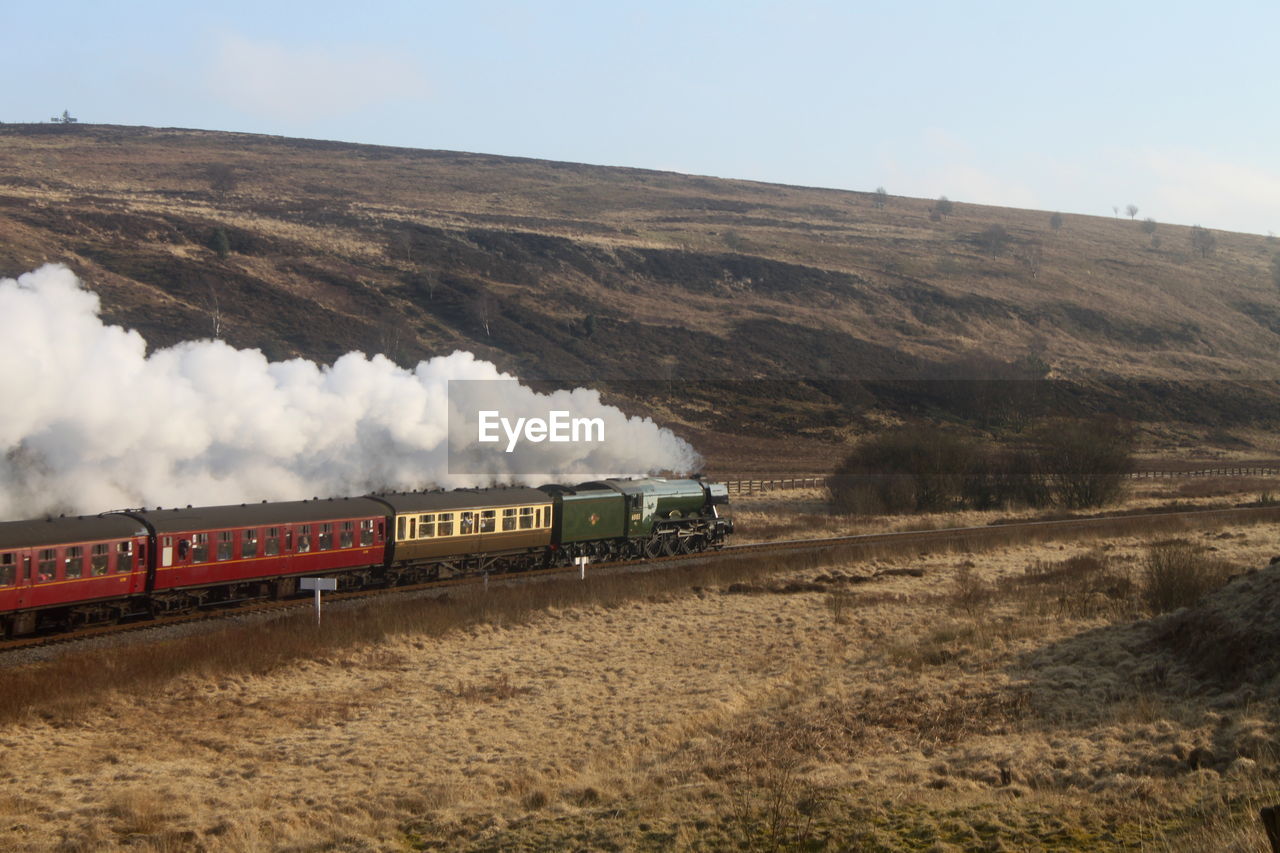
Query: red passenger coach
[(63, 572), (210, 555)]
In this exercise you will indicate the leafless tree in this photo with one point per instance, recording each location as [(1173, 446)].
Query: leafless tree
[(1203, 241), (994, 239), (1086, 461), (1055, 222), (485, 308), (1031, 257), (879, 198), (1132, 210), (215, 310)]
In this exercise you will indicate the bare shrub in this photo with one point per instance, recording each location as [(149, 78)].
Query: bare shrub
[(969, 593), (1083, 586), (914, 469), (839, 602), (1203, 240), (773, 805), (1086, 461), (993, 239), (1003, 477), (1178, 574)]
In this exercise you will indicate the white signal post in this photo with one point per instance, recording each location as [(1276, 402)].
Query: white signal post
[(582, 566), (319, 585)]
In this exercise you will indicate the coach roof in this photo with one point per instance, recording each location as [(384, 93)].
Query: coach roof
[(67, 531), (256, 515), (464, 499)]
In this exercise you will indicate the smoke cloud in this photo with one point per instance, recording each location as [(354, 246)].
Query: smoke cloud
[(91, 422)]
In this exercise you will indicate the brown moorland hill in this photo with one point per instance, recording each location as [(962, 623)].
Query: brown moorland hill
[(564, 271)]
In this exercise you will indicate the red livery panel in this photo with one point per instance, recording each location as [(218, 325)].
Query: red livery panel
[(97, 563), (213, 546)]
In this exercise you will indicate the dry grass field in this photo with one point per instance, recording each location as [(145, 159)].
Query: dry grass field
[(1029, 697)]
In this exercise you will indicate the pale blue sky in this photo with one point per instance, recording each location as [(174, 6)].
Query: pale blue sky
[(1073, 106)]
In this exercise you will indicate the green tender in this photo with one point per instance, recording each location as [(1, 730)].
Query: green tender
[(592, 514)]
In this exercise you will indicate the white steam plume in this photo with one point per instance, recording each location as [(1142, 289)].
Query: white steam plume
[(90, 422)]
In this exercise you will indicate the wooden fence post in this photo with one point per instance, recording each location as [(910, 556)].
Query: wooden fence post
[(1271, 823)]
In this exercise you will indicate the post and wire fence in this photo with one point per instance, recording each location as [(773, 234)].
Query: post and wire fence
[(777, 484)]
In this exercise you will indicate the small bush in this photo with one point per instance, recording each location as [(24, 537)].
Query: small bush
[(969, 593), (1178, 574), (839, 602), (914, 469)]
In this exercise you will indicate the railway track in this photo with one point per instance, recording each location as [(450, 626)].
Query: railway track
[(967, 537)]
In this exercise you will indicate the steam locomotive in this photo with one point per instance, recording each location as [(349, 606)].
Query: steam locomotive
[(62, 573)]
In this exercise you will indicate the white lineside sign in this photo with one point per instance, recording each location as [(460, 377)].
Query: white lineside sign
[(319, 585)]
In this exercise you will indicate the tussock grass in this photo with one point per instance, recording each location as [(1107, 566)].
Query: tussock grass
[(1081, 587), (1178, 574)]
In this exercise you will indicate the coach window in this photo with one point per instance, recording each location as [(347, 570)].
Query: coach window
[(75, 562), (248, 544), (468, 523), (47, 565), (400, 526), (226, 545), (509, 519), (124, 557), (8, 569), (324, 541), (488, 520), (304, 538), (366, 532), (98, 559), (444, 524), (426, 526), (413, 527), (271, 545), (348, 535), (526, 517), (200, 548)]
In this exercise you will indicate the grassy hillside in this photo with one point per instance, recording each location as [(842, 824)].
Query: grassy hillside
[(570, 272)]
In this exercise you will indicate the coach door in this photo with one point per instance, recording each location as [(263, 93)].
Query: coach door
[(15, 577)]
